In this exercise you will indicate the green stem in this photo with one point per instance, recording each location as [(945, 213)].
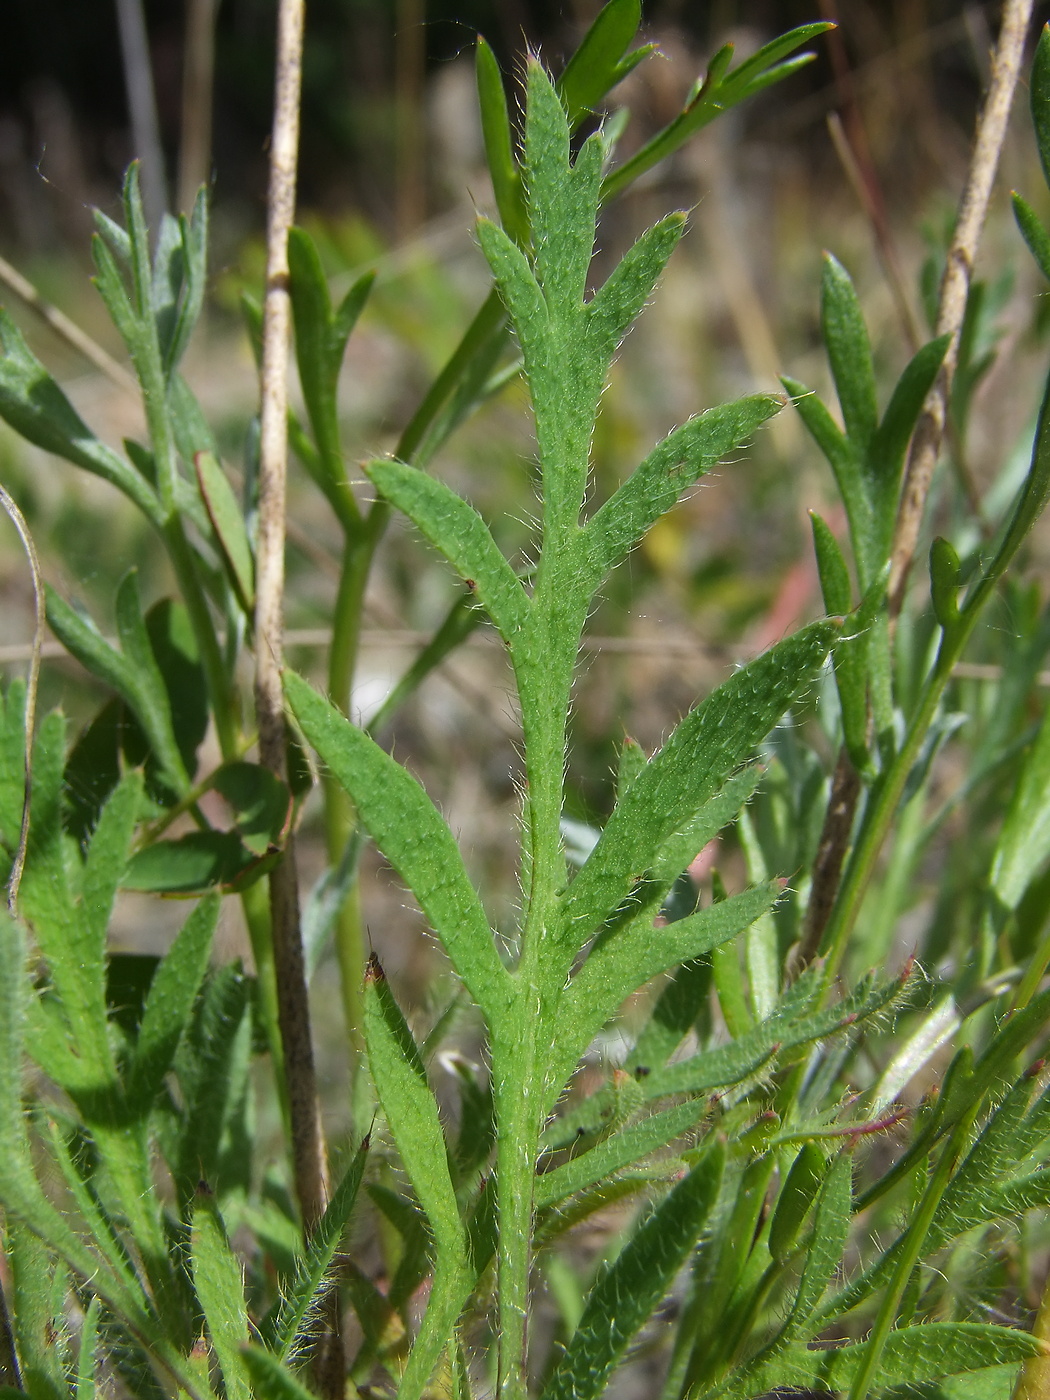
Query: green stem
[(887, 793), (915, 1238)]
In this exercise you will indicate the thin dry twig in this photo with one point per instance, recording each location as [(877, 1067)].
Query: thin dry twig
[(955, 287), (988, 142), (67, 329), (307, 1142), (18, 520)]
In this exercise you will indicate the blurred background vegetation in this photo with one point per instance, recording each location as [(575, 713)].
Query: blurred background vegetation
[(392, 174)]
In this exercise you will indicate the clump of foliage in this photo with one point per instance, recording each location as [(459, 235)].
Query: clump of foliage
[(746, 1120)]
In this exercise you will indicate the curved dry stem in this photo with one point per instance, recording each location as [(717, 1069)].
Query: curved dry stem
[(18, 520), (955, 287)]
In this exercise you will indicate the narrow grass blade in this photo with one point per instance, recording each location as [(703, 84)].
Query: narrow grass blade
[(406, 827), (626, 1293)]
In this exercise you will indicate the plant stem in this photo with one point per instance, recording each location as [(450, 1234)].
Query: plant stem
[(955, 287), (915, 1239), (293, 1004)]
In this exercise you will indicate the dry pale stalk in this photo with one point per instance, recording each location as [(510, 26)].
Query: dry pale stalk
[(293, 1007), (926, 443), (955, 287)]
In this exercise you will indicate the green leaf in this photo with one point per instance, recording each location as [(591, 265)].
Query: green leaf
[(654, 487), (845, 464), (260, 803), (271, 1378), (849, 354), (945, 579), (850, 660), (623, 959), (38, 1298), (408, 830), (562, 197), (830, 1231), (1040, 100), (196, 863), (413, 1117), (411, 1111), (599, 63), (626, 1293), (457, 530), (135, 675), (499, 151), (320, 344), (227, 521), (616, 305), (885, 459), (211, 1064), (520, 293), (680, 1006), (87, 1359), (797, 1194), (790, 1026), (220, 1288), (37, 409), (303, 1293), (169, 1002), (720, 91), (1024, 841), (715, 738), (912, 1356), (1033, 232), (620, 1150), (174, 646)]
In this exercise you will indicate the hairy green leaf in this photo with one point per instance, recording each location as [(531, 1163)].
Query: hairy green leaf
[(220, 1288), (626, 1293), (414, 838), (712, 740)]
